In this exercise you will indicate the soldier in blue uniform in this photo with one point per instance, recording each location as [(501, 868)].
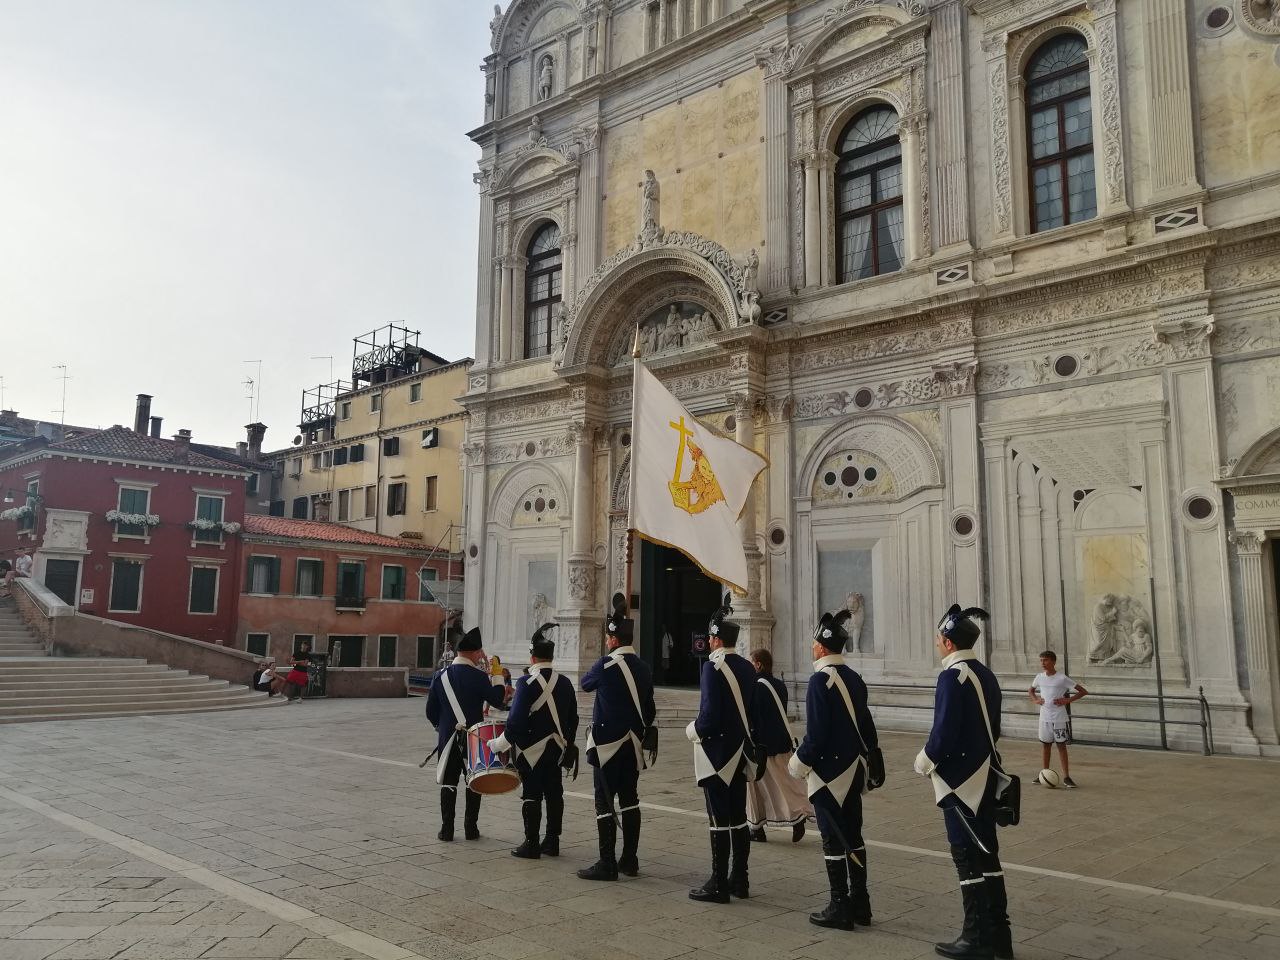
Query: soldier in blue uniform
[(960, 759), (542, 726), (622, 732), (841, 760), (457, 701), (721, 736)]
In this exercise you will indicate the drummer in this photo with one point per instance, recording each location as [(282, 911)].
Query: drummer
[(457, 701), (542, 726)]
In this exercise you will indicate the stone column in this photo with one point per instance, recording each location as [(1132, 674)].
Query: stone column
[(504, 310), (910, 132), (776, 62), (579, 624), (757, 625), (949, 147), (812, 224), (826, 211), (1108, 132), (587, 207), (1002, 196), (484, 284), (1256, 590), (515, 325), (1000, 632), (475, 518), (1168, 85)]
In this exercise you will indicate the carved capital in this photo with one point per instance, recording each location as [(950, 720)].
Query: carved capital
[(1185, 338), (1246, 542), (473, 450), (778, 59), (582, 576), (956, 378), (743, 403), (779, 407)]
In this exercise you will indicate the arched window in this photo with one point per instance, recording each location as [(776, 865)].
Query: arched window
[(542, 289), (1060, 134), (869, 196)]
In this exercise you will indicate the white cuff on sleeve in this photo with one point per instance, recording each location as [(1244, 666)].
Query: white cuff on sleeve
[(691, 732), (497, 681), (923, 765), (499, 744), (797, 769)]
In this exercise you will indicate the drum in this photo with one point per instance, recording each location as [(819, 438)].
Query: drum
[(489, 772)]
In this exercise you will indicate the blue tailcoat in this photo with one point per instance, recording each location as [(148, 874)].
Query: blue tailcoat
[(718, 725), (527, 727), (473, 688), (959, 747), (766, 721), (832, 747), (614, 717)]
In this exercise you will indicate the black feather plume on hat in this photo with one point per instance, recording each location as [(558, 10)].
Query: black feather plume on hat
[(830, 631), (616, 623), (957, 624), (541, 646), (721, 626)]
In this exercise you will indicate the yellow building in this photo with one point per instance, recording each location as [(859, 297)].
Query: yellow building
[(381, 451)]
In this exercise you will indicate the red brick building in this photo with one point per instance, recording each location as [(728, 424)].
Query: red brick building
[(367, 600), (130, 527)]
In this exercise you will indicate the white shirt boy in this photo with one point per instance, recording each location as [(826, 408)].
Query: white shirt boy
[(1053, 716)]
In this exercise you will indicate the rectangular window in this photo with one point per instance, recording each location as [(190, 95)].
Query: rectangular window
[(426, 576), (426, 652), (27, 523), (344, 410), (350, 583), (126, 586), (339, 456), (344, 505), (295, 467), (209, 510), (326, 459), (370, 501), (397, 494), (320, 506), (392, 582), (300, 508), (263, 575), (357, 453), (415, 392), (133, 500), (204, 590), (346, 651), (391, 447), (430, 502), (299, 639), (310, 578), (315, 461), (375, 402), (387, 651), (257, 643), (251, 485)]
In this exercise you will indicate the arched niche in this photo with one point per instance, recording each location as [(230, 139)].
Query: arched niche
[(529, 482), (899, 447)]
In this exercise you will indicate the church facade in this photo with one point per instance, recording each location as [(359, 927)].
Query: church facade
[(994, 285)]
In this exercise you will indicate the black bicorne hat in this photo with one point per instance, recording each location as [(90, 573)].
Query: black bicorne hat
[(616, 623), (541, 646), (470, 641), (726, 630), (957, 625), (830, 631)]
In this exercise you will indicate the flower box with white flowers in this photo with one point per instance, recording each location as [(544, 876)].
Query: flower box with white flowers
[(18, 513)]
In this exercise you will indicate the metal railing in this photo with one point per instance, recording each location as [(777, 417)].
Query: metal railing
[(1014, 701)]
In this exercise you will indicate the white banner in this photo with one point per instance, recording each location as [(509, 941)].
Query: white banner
[(688, 485)]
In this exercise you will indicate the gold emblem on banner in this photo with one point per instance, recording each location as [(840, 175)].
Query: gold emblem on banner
[(701, 490)]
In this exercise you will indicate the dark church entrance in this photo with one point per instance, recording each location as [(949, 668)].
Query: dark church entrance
[(676, 602)]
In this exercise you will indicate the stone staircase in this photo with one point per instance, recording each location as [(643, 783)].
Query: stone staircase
[(35, 686)]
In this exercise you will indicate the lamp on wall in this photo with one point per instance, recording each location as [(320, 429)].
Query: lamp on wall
[(10, 496)]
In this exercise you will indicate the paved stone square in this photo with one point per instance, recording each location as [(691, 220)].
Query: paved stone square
[(309, 833)]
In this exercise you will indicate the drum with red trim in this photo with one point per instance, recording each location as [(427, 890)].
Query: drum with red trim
[(489, 772)]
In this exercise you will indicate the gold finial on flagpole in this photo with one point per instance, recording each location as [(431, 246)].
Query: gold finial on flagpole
[(635, 349)]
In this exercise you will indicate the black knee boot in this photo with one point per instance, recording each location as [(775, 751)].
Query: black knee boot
[(716, 889), (629, 863), (997, 907), (606, 868), (836, 915), (448, 801), (471, 816), (859, 898), (555, 817), (974, 942), (739, 883), (531, 811)]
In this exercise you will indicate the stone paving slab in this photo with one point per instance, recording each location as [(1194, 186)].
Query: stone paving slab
[(310, 835)]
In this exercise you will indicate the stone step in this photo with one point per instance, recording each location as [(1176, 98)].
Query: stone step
[(103, 694), (96, 664), (51, 707), (115, 682), (248, 704)]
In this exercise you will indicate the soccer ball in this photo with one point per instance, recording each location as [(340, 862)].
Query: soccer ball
[(1049, 778)]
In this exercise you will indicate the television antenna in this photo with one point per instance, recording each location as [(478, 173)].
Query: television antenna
[(63, 412), (330, 359), (254, 413), (249, 384)]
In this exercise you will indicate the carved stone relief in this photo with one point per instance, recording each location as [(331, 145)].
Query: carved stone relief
[(853, 476), (1120, 633)]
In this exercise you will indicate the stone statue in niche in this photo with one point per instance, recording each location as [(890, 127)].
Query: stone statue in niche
[(546, 78), (856, 604), (663, 332), (1121, 631), (540, 612)]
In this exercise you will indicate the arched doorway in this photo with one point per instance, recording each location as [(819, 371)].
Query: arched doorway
[(676, 603)]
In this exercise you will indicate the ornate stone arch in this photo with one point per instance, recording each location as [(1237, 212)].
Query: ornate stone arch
[(1262, 457), (620, 489), (1030, 40), (508, 497), (512, 30), (849, 14), (538, 153), (900, 446), (591, 320), (851, 107)]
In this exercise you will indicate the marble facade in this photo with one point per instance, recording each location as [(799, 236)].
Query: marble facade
[(1077, 428)]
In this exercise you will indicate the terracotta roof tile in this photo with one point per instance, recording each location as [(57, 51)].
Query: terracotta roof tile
[(256, 523), (124, 443)]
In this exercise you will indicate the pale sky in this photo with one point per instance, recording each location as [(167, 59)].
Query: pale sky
[(189, 184)]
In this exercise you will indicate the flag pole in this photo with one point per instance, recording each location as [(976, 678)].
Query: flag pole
[(631, 486)]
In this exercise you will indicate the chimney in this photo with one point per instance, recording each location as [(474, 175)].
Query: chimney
[(256, 432), (142, 414), (183, 440), (242, 449), (155, 426)]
